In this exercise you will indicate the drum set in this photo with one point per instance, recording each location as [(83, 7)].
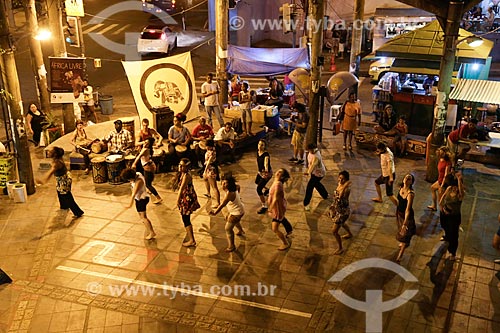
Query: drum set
[(109, 168)]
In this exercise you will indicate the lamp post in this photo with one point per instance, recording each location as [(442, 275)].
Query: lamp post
[(451, 29), (36, 52)]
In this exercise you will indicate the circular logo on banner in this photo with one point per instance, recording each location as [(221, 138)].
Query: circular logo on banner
[(166, 84)]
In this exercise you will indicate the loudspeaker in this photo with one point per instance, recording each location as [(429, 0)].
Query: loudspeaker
[(4, 278), (163, 119)]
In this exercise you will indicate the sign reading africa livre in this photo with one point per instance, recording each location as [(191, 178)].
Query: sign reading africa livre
[(66, 79)]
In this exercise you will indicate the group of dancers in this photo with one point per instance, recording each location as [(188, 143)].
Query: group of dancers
[(448, 191)]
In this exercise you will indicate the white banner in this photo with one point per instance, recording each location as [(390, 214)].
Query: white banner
[(163, 82)]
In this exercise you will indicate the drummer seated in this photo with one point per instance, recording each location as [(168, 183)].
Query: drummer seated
[(148, 132), (120, 140), (82, 144), (225, 140), (179, 139), (201, 133)]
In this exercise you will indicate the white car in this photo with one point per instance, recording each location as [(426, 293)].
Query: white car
[(379, 68), (156, 39)]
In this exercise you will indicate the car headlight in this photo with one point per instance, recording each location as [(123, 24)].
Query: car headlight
[(374, 68)]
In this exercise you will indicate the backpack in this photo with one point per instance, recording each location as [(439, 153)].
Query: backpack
[(237, 125)]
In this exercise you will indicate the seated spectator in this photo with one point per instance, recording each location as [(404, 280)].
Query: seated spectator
[(399, 131), (428, 84), (82, 144), (225, 143), (201, 133), (120, 140), (387, 120), (147, 132), (464, 133)]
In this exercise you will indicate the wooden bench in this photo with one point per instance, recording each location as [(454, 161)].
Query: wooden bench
[(366, 135)]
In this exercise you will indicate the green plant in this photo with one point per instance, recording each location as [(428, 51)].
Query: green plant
[(49, 122)]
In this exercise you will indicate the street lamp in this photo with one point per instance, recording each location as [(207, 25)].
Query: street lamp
[(43, 34)]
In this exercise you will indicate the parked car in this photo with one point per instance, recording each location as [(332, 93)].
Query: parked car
[(159, 39), (379, 68)]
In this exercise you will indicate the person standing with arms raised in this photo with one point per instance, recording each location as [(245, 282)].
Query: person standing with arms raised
[(210, 91)]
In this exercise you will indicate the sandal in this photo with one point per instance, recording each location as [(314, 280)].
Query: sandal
[(346, 236), (230, 249), (284, 247), (339, 252), (377, 200), (432, 208), (189, 244)]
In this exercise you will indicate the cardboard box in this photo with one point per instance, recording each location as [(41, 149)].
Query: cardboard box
[(260, 112)]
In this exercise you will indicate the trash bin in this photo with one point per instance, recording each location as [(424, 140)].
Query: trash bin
[(10, 186), (19, 192), (106, 102)]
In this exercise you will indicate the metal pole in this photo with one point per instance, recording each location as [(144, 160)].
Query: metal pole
[(11, 80), (357, 34), (451, 29), (315, 25), (80, 36), (221, 35), (54, 11), (37, 56)]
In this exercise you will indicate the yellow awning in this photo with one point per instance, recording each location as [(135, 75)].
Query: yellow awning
[(427, 44), (479, 91)]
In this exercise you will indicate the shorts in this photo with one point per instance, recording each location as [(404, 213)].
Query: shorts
[(140, 205), (385, 180), (298, 139), (234, 219)]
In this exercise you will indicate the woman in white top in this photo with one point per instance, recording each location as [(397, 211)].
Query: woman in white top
[(317, 171), (141, 198), (149, 167), (82, 144), (235, 209)]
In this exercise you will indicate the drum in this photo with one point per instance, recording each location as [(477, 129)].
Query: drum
[(129, 160), (99, 170), (128, 124), (158, 158), (115, 163), (97, 147), (181, 151), (203, 145)]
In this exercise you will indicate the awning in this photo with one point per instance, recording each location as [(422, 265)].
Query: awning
[(480, 91), (419, 67), (427, 44)]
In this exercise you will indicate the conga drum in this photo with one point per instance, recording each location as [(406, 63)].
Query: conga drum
[(203, 145), (115, 163), (129, 160), (180, 151), (158, 158), (99, 170), (128, 124), (97, 147)]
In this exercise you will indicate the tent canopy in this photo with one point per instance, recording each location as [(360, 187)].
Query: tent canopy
[(427, 44), (265, 61), (479, 91)]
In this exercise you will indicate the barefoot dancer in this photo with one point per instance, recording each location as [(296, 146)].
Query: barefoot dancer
[(141, 198), (339, 210), (187, 200), (235, 208)]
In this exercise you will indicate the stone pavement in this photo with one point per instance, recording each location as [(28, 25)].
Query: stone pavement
[(79, 275)]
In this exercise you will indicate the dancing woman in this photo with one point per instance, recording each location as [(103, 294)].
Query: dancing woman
[(140, 197), (235, 208), (404, 214), (187, 200), (264, 174), (444, 168), (277, 206), (340, 211), (451, 205), (63, 181), (149, 167)]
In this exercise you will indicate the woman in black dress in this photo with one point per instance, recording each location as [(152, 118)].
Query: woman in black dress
[(264, 174), (404, 215), (34, 120)]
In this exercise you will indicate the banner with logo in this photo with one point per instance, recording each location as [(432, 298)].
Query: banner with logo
[(66, 79), (163, 82)]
